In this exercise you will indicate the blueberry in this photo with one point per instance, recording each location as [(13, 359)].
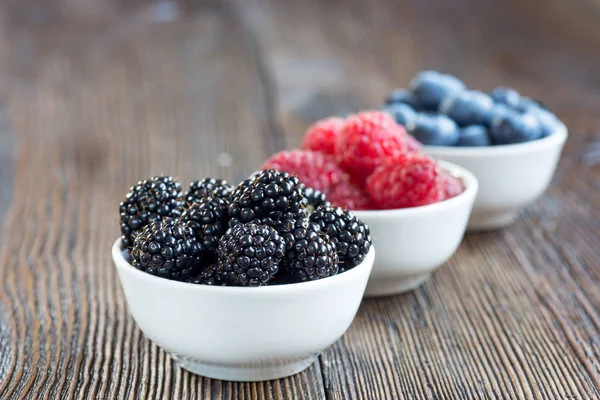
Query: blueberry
[(474, 135), (402, 113), (431, 87), (506, 96), (547, 120), (468, 108), (434, 129), (525, 104), (403, 96), (515, 128)]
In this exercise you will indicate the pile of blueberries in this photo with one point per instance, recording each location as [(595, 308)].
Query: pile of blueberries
[(439, 110)]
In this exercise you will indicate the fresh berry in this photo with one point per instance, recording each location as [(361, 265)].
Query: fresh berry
[(410, 180), (468, 108), (314, 198), (350, 197), (402, 113), (366, 140), (430, 88), (310, 254), (249, 255), (412, 144), (149, 201), (434, 130), (314, 169), (451, 186), (506, 96), (207, 188), (402, 96), (271, 194), (351, 237), (474, 135), (208, 276), (209, 219), (321, 136), (548, 121), (515, 128), (526, 103), (168, 249)]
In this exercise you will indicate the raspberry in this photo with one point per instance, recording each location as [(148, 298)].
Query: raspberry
[(314, 169), (366, 141), (321, 135), (412, 144), (450, 185), (409, 180), (350, 197)]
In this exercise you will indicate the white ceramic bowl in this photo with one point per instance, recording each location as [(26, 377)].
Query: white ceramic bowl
[(240, 333), (412, 242), (510, 176)]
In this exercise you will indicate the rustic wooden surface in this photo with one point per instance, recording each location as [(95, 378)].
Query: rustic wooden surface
[(95, 95)]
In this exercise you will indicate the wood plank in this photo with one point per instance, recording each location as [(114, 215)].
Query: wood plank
[(508, 317), (94, 110)]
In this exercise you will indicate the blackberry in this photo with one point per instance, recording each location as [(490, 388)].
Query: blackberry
[(149, 201), (208, 219), (167, 249), (208, 187), (310, 254), (249, 255), (314, 198), (273, 194), (208, 276), (350, 235)]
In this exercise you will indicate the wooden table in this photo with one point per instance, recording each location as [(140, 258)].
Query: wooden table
[(96, 95)]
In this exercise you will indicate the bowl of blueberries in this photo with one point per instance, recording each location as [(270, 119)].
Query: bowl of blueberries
[(511, 143)]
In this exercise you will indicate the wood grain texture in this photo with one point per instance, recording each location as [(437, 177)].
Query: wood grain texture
[(96, 97)]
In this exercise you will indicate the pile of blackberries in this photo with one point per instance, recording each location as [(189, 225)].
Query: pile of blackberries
[(258, 233)]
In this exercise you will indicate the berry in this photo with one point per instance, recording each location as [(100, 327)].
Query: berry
[(410, 180), (548, 121), (525, 104), (351, 237), (515, 128), (208, 276), (167, 249), (468, 108), (434, 130), (474, 135), (149, 201), (208, 187), (209, 219), (321, 136), (366, 140), (271, 194), (314, 169), (402, 113), (402, 96), (506, 96), (451, 186), (350, 197), (249, 255), (430, 88), (310, 253), (314, 198)]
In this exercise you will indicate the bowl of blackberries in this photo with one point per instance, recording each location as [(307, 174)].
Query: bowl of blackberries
[(243, 283), (510, 142)]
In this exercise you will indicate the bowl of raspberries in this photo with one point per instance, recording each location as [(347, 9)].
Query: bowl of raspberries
[(416, 207), (243, 283), (510, 142)]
